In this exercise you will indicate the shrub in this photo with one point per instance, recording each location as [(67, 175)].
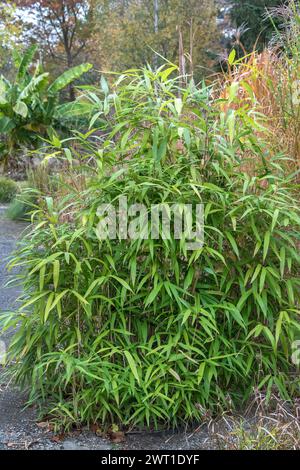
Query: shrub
[(20, 208), (39, 181), (8, 189), (39, 185), (29, 105), (143, 331)]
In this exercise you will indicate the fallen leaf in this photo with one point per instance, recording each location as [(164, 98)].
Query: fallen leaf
[(43, 424), (58, 438), (117, 437), (10, 444), (94, 428)]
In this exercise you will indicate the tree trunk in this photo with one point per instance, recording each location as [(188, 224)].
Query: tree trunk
[(71, 92), (71, 86)]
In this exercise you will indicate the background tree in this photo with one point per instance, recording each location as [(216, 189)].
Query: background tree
[(10, 31), (63, 27), (130, 31), (250, 18)]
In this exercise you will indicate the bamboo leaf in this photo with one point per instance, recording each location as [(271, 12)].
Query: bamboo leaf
[(132, 365)]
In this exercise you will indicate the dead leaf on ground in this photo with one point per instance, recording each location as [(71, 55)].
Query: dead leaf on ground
[(117, 437), (10, 444), (94, 428), (58, 438), (43, 425)]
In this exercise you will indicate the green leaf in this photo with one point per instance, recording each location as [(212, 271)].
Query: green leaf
[(178, 105), (186, 316), (73, 109), (290, 291), (104, 85), (56, 270), (256, 273), (35, 83), (6, 125), (233, 243), (133, 270), (68, 77), (153, 294), (233, 90), (256, 331), (26, 61), (68, 154), (21, 109), (132, 365), (81, 299), (201, 371), (48, 306), (121, 281), (189, 278), (33, 299), (3, 99), (231, 126), (174, 373), (238, 317), (162, 150), (231, 57), (282, 261), (262, 279), (266, 244), (269, 336), (42, 277), (278, 327), (274, 219)]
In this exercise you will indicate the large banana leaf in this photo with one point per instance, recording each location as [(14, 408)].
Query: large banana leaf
[(3, 99), (6, 125), (21, 109), (32, 85), (73, 109), (68, 77), (26, 61)]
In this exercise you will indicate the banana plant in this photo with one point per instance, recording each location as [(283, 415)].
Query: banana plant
[(29, 106)]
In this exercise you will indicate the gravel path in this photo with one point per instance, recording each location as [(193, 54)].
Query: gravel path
[(18, 426)]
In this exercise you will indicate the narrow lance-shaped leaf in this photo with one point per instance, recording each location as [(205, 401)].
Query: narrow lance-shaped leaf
[(132, 365)]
